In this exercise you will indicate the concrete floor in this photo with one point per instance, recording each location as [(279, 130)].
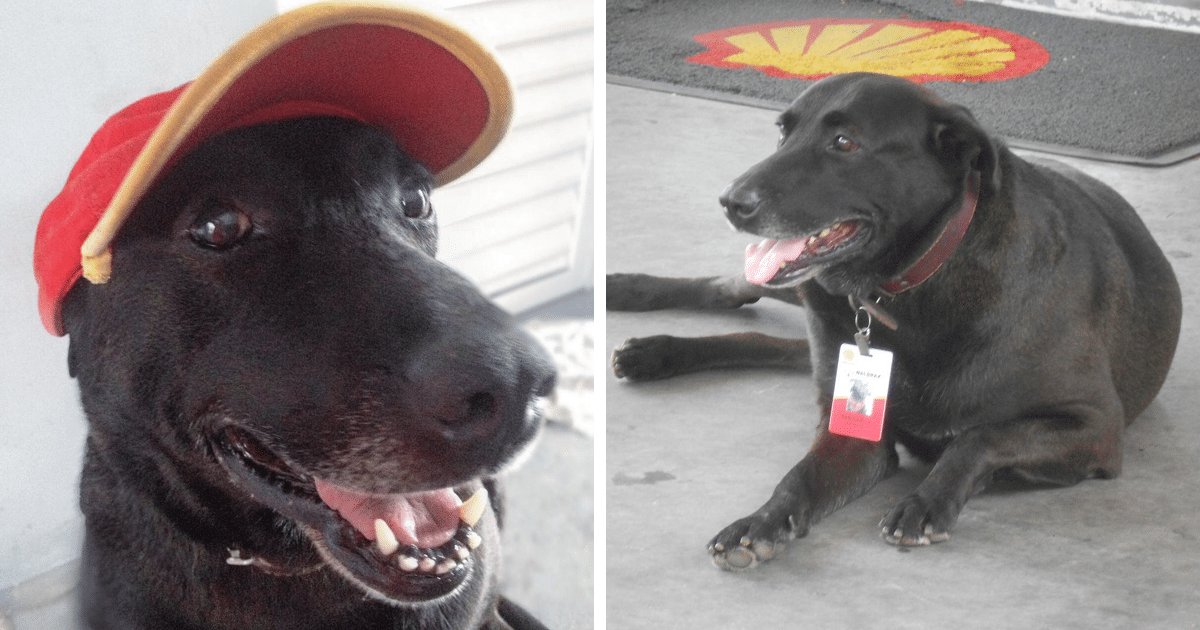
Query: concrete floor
[(687, 456)]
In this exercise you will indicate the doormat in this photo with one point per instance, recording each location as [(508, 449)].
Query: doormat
[(1066, 85)]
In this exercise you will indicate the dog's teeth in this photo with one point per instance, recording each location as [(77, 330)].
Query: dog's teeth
[(473, 540), (445, 566), (408, 563), (461, 552), (426, 564), (825, 232), (471, 510), (385, 539)]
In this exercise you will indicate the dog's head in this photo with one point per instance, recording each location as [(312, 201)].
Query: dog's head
[(278, 338), (866, 166)]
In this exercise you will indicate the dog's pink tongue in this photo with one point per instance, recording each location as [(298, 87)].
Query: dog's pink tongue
[(421, 519), (764, 259)]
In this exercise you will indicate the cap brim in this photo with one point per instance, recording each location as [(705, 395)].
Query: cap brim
[(440, 93)]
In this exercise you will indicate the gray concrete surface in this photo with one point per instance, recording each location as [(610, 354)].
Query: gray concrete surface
[(687, 456)]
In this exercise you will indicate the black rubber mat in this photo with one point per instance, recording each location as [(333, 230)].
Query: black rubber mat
[(1077, 86)]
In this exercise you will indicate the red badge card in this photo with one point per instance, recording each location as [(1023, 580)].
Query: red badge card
[(860, 393)]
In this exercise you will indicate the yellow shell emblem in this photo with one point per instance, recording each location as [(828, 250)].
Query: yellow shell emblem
[(921, 51)]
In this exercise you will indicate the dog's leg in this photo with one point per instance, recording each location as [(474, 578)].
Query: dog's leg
[(663, 356), (1059, 450), (640, 292), (836, 470)]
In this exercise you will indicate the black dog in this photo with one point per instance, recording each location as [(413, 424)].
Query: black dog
[(1023, 352), (279, 357)]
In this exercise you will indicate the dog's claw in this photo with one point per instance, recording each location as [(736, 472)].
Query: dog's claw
[(936, 536), (918, 522)]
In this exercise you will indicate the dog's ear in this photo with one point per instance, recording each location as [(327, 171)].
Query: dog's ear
[(70, 310), (960, 140), (72, 362)]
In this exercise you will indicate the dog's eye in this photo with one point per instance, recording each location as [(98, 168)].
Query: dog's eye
[(220, 227), (845, 144), (415, 203)]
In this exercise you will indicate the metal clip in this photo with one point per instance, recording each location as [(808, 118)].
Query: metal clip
[(863, 336)]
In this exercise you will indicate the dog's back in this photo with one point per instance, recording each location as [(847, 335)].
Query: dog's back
[(1140, 294)]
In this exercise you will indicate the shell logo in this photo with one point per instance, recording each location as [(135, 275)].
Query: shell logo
[(920, 51)]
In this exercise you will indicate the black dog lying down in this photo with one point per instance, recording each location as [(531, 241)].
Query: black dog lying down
[(1024, 351), (284, 367)]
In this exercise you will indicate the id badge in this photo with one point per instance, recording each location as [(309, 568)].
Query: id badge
[(860, 390)]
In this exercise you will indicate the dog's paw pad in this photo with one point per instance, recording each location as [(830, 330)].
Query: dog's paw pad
[(744, 556), (747, 542), (644, 358), (736, 559)]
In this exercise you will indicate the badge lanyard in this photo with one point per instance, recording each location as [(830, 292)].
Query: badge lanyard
[(860, 386)]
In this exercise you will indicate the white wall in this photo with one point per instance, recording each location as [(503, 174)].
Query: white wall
[(67, 66)]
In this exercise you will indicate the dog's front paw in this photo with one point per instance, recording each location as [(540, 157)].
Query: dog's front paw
[(646, 358), (919, 521), (749, 541)]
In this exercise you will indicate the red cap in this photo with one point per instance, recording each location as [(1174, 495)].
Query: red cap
[(440, 93)]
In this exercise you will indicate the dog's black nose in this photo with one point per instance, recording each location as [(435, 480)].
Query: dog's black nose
[(740, 204), (481, 382)]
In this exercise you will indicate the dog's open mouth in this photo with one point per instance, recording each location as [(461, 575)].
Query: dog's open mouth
[(780, 263), (409, 547)]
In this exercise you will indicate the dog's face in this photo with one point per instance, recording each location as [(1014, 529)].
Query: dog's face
[(865, 165), (279, 342)]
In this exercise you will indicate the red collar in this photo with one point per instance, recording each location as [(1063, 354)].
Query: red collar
[(943, 248)]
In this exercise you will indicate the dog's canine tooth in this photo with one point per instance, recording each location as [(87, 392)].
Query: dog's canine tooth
[(473, 540), (408, 563), (471, 510), (426, 564), (385, 539), (445, 566), (825, 232)]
